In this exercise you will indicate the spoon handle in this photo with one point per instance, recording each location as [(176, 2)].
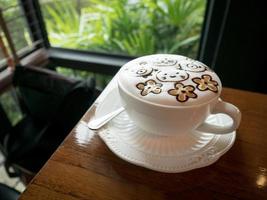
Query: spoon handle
[(101, 121)]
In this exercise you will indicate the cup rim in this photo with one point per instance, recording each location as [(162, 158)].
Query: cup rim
[(166, 106)]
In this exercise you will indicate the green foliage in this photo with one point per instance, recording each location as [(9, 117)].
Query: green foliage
[(126, 27), (62, 21), (101, 80), (16, 24), (9, 102), (6, 3)]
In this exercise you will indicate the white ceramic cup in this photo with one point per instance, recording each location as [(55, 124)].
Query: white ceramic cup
[(170, 94)]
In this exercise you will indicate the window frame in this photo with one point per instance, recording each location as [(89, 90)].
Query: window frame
[(213, 28)]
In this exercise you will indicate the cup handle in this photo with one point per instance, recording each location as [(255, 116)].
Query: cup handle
[(226, 108)]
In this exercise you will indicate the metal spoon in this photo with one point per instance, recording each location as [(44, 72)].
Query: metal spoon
[(101, 121)]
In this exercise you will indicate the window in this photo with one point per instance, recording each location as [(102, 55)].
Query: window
[(125, 27), (19, 29), (19, 35), (9, 102)]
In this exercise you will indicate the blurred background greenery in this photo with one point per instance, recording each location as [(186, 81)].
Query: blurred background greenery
[(128, 27)]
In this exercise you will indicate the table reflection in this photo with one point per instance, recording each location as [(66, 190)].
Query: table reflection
[(261, 177), (83, 134)]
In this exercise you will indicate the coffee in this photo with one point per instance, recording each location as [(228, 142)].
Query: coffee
[(170, 95), (170, 80)]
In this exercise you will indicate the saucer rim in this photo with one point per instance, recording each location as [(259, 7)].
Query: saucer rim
[(109, 141), (112, 144)]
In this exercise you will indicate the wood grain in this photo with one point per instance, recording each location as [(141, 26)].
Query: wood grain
[(84, 168)]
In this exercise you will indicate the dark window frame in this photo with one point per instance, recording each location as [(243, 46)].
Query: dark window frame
[(212, 31)]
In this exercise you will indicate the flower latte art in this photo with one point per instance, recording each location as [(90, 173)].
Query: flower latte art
[(170, 80)]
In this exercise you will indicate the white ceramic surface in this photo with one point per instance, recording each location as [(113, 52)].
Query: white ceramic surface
[(165, 154), (170, 94)]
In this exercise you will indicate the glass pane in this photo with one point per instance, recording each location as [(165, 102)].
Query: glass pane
[(101, 79), (129, 27), (1, 56), (15, 21), (19, 33), (2, 63), (18, 27), (10, 104), (7, 3)]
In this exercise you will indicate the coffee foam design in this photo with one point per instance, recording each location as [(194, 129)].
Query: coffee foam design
[(167, 71), (172, 75), (165, 61), (142, 69), (193, 66)]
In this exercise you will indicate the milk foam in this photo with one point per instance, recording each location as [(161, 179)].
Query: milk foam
[(171, 80)]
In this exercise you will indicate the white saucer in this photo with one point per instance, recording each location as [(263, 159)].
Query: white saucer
[(164, 154)]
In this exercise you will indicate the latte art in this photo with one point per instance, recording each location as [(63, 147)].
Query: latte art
[(144, 72), (140, 70), (172, 75), (164, 61), (169, 80), (194, 66)]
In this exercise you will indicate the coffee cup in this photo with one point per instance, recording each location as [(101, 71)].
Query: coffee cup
[(168, 95)]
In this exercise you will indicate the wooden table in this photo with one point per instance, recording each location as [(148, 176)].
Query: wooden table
[(84, 168)]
